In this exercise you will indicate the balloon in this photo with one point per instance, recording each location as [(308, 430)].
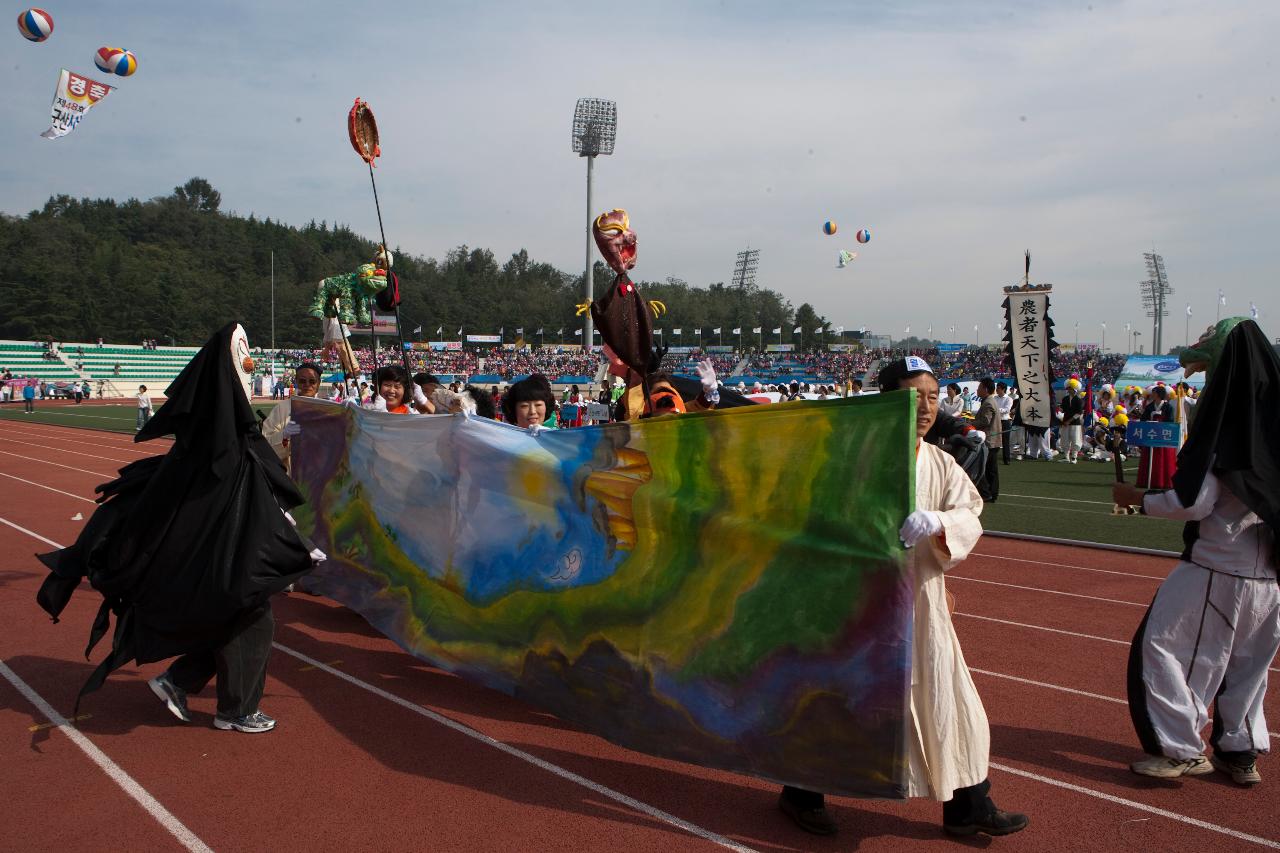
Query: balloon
[(828, 228), (115, 60), (844, 259), (864, 235), (35, 25)]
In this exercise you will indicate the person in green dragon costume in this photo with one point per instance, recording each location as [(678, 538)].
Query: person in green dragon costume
[(347, 296)]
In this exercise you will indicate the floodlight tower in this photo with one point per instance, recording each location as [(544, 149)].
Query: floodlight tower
[(1155, 292), (595, 124), (744, 269)]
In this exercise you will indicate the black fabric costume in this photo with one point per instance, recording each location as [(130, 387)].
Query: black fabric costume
[(1235, 427), (185, 543)]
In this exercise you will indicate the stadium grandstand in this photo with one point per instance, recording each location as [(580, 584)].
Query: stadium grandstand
[(116, 370)]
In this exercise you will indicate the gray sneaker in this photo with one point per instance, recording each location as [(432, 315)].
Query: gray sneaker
[(1171, 768), (173, 696), (250, 723), (1242, 768)]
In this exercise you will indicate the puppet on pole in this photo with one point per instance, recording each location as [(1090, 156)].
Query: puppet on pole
[(362, 128)]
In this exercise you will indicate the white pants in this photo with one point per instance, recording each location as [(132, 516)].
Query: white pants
[(1207, 637), (1038, 445), (1072, 439)]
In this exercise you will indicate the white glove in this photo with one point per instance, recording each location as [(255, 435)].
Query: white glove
[(920, 525), (291, 428), (975, 437), (418, 397), (318, 556), (707, 374), (379, 403), (534, 429)]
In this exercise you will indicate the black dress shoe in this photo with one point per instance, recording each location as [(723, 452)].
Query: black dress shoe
[(994, 822), (816, 821)]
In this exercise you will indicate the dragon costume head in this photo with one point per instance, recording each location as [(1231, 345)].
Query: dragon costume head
[(1205, 353)]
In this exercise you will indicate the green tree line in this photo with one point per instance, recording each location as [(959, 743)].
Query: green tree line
[(177, 268)]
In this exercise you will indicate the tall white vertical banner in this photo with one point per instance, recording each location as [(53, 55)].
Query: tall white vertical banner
[(1029, 348), (74, 97)]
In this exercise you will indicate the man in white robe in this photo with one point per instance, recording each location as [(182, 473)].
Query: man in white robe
[(949, 742)]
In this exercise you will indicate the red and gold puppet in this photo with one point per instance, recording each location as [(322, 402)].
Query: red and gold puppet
[(625, 321)]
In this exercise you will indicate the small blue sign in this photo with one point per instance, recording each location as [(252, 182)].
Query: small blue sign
[(1153, 434)]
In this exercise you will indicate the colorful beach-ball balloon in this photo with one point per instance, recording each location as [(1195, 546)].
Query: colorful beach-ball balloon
[(828, 228), (114, 60), (864, 235), (35, 24)]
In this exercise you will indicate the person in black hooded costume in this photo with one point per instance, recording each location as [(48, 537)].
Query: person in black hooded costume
[(1214, 625), (188, 548)]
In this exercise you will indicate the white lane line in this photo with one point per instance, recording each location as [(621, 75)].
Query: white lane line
[(1093, 512), (1068, 566), (57, 465), (127, 783), (1049, 591), (48, 412), (50, 488), (45, 436), (1060, 688), (1133, 804), (1058, 631), (1066, 500), (1042, 628), (30, 533), (568, 775), (65, 450)]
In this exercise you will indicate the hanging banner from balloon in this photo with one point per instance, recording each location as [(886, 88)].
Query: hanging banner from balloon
[(74, 97)]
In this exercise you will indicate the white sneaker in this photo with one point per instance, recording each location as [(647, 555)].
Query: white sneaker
[(1160, 767)]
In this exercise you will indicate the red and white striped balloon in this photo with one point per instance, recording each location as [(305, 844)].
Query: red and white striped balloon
[(35, 24)]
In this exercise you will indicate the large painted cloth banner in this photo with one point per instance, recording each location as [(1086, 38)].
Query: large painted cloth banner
[(723, 588)]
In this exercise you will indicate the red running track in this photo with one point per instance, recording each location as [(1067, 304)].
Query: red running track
[(378, 751)]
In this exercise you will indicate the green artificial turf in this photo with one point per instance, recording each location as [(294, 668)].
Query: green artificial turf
[(1053, 498), (122, 417)]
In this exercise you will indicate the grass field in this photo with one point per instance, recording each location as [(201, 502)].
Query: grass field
[(114, 417), (1036, 496), (1050, 498)]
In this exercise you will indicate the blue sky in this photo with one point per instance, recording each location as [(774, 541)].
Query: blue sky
[(959, 133)]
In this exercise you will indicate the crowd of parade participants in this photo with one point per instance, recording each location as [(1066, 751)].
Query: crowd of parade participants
[(1206, 641)]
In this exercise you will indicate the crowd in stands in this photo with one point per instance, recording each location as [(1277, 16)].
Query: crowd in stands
[(820, 366)]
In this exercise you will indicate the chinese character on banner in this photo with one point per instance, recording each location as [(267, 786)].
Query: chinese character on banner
[(1028, 348)]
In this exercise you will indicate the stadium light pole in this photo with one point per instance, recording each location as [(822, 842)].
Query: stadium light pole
[(595, 125)]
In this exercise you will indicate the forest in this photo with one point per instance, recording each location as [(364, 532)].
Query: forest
[(176, 268)]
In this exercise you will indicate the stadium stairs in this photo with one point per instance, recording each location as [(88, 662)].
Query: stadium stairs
[(97, 364)]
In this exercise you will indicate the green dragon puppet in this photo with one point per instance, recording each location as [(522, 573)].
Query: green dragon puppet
[(347, 296)]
